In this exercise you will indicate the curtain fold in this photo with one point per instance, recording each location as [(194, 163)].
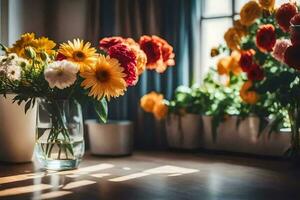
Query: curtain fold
[(174, 20)]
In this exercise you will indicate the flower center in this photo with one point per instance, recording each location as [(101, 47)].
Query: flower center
[(102, 76), (78, 56), (60, 72)]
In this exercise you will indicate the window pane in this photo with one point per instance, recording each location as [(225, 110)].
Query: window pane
[(212, 35), (212, 8), (239, 4)]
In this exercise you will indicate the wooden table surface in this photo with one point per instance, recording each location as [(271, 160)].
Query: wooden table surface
[(155, 175)]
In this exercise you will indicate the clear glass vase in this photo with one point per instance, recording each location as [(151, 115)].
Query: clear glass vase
[(59, 134)]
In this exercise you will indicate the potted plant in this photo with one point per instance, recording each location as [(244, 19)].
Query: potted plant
[(268, 41), (182, 114)]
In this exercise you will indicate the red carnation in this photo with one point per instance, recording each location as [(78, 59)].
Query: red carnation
[(60, 56), (167, 51), (159, 53), (152, 49), (266, 38), (292, 56), (107, 42), (246, 60), (284, 14), (127, 59), (256, 73)]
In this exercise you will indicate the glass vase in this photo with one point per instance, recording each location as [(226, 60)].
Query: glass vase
[(294, 150), (59, 134)]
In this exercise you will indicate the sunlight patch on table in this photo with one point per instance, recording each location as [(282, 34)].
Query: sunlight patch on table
[(167, 169), (78, 184), (24, 189)]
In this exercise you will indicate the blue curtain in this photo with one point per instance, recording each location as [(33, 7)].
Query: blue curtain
[(177, 21)]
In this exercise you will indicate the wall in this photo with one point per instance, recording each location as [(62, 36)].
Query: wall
[(58, 19)]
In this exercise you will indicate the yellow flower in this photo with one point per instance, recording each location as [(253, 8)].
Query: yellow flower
[(38, 45), (141, 58), (250, 12), (19, 46), (104, 79), (43, 44), (267, 4), (160, 110), (148, 101), (232, 39), (78, 52), (250, 97)]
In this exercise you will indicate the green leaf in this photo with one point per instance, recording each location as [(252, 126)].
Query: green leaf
[(27, 105), (101, 109)]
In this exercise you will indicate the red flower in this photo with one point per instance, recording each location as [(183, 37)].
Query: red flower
[(152, 49), (284, 14), (295, 20), (266, 38), (127, 59), (291, 56), (167, 51), (294, 30), (107, 42), (159, 53), (60, 56), (246, 60), (256, 73)]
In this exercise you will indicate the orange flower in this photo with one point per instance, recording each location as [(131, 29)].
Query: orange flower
[(232, 39), (229, 64), (160, 110), (250, 12), (234, 65), (223, 65), (250, 97), (148, 101), (267, 4), (240, 28)]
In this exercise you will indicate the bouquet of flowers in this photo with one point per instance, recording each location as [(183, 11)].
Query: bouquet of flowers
[(268, 40), (63, 78)]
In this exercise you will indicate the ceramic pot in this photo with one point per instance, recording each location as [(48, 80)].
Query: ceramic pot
[(244, 138), (17, 133), (184, 132), (115, 138)]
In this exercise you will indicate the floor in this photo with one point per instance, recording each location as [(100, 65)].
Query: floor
[(156, 175)]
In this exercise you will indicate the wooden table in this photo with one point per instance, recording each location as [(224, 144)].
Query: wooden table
[(155, 175)]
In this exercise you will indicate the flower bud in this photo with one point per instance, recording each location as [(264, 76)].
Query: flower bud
[(44, 56), (30, 53)]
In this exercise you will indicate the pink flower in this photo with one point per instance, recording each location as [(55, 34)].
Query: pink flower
[(279, 49)]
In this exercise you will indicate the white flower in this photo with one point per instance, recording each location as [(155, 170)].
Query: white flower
[(61, 74), (10, 66), (13, 72)]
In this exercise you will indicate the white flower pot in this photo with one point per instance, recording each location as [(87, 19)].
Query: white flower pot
[(114, 138), (17, 132), (184, 132), (244, 138)]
